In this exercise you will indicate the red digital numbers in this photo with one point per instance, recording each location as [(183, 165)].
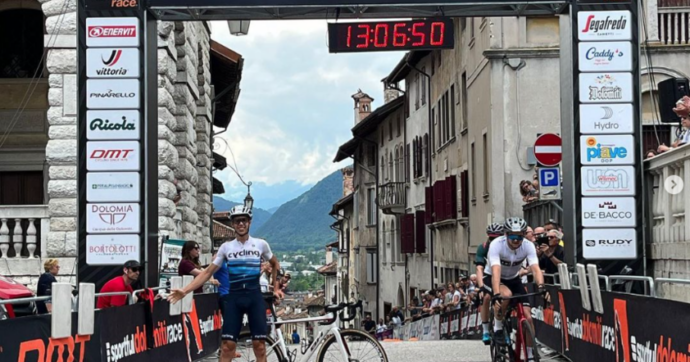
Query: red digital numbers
[(364, 36), (349, 35), (440, 27), (378, 36), (399, 38), (395, 35), (418, 33)]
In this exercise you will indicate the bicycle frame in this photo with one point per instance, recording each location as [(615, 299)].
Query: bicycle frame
[(519, 310)]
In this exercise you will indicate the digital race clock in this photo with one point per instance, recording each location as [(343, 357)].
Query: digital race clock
[(429, 34)]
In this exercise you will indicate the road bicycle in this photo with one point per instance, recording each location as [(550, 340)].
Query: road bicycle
[(330, 344), (518, 328)]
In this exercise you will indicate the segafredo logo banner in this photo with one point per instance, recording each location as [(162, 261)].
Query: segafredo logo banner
[(112, 125), (605, 56), (604, 25), (112, 62), (112, 32), (606, 118), (112, 218), (607, 150), (606, 87), (112, 94)]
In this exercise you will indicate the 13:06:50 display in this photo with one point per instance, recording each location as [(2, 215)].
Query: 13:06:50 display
[(373, 36)]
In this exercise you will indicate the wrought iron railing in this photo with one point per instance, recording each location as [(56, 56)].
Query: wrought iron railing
[(392, 194)]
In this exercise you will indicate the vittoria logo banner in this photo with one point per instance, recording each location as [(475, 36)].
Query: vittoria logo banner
[(112, 62)]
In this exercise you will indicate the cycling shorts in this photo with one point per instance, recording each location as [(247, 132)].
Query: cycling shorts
[(514, 285), (236, 305)]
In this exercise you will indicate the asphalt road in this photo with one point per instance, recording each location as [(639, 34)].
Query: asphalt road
[(440, 351)]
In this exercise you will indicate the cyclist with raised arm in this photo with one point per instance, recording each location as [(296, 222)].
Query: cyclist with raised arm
[(506, 255), (493, 231), (243, 258)]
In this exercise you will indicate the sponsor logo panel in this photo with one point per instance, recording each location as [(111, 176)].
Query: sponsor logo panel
[(606, 118), (609, 243), (608, 181), (112, 94), (112, 218), (606, 87), (112, 62), (608, 212), (112, 125), (604, 25), (112, 156), (112, 187), (112, 249), (611, 150), (605, 56), (112, 32)]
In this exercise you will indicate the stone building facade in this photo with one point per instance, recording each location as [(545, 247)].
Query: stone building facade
[(186, 89)]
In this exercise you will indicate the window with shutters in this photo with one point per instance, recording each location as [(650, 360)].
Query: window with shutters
[(420, 232), (371, 207), (429, 204), (463, 91), (452, 111), (417, 86), (391, 171), (407, 233), (474, 173), (425, 152), (407, 163), (384, 243), (390, 130), (355, 200), (424, 81), (485, 175), (382, 174), (371, 267), (464, 194)]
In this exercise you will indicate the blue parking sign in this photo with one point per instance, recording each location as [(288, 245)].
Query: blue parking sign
[(549, 177)]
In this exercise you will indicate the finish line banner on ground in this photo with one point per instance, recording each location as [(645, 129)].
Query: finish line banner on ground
[(632, 328), (121, 334)]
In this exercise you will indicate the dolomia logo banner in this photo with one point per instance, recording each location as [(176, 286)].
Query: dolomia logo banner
[(606, 87), (606, 118), (112, 32), (112, 218), (112, 63), (608, 149), (604, 25), (111, 249), (112, 125), (112, 187), (608, 181), (112, 156), (112, 94)]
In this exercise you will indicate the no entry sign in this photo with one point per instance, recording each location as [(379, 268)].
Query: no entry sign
[(547, 149)]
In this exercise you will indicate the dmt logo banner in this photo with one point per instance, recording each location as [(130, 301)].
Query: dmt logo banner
[(609, 150), (112, 32), (112, 218), (604, 25), (112, 62), (112, 156), (608, 181), (112, 125), (606, 87)]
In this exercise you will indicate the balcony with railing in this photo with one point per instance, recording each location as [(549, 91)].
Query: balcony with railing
[(23, 228), (392, 196), (673, 21)]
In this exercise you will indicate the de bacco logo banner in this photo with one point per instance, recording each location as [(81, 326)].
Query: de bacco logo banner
[(112, 62), (112, 125), (112, 218)]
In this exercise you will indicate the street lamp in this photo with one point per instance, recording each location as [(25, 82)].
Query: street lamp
[(249, 200), (238, 27)]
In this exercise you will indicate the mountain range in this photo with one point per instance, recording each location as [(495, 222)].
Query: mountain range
[(301, 223)]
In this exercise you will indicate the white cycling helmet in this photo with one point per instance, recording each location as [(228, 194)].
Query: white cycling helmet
[(240, 210), (515, 225)]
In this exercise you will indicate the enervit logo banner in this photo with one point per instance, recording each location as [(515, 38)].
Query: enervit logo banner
[(112, 125), (605, 56), (112, 32), (112, 218), (606, 87), (112, 94), (112, 62), (608, 181), (112, 156), (608, 212), (607, 150), (606, 118), (112, 186), (609, 244), (604, 25), (113, 249)]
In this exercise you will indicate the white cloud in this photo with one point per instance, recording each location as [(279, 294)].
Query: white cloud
[(295, 109)]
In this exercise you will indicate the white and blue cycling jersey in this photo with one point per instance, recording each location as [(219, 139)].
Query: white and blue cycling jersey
[(243, 261)]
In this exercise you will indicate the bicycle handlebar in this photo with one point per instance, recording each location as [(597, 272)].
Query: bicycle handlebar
[(352, 309), (498, 296)]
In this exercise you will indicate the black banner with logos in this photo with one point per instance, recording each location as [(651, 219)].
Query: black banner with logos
[(120, 334), (632, 328), (460, 324)]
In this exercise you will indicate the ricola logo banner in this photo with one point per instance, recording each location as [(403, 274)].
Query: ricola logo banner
[(112, 94), (604, 25), (112, 125), (112, 32), (112, 62)]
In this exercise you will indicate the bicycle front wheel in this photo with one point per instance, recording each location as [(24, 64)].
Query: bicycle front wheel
[(361, 346), (245, 349), (529, 338)]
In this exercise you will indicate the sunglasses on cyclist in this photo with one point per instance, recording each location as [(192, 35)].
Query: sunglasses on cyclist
[(136, 269), (513, 237)]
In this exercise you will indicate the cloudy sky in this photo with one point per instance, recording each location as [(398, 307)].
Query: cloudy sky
[(294, 108)]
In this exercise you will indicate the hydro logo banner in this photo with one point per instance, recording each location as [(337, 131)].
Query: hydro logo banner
[(632, 329)]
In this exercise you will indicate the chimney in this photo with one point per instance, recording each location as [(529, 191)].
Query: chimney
[(389, 94), (329, 255), (348, 180), (362, 105)]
